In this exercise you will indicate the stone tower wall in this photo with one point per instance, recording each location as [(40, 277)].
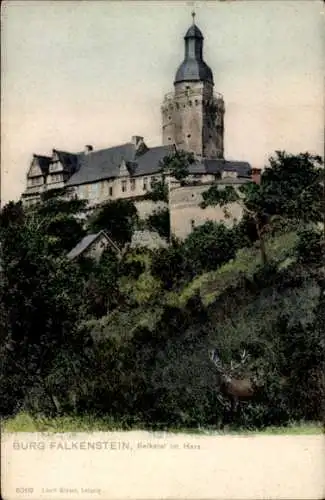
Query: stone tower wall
[(186, 213), (192, 118)]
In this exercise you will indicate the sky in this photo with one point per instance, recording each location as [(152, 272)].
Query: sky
[(95, 72)]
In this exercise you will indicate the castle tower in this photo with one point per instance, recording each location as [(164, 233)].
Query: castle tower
[(193, 115)]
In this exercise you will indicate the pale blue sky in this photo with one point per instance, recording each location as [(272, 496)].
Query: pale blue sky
[(76, 73)]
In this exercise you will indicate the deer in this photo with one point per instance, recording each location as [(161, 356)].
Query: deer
[(236, 389)]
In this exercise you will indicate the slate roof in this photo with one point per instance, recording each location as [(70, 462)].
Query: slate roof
[(86, 242), (193, 68), (241, 167), (194, 32), (102, 164), (148, 164), (105, 164), (217, 166), (70, 161)]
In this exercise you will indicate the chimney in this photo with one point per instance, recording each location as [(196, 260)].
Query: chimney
[(136, 140), (88, 149), (256, 175), (139, 144)]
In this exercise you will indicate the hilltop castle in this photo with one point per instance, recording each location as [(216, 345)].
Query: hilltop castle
[(192, 120)]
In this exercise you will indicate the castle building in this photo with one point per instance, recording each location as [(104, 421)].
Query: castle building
[(192, 120)]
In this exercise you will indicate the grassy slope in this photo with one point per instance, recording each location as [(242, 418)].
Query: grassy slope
[(26, 423), (211, 285)]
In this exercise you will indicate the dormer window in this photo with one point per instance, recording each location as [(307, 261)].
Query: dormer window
[(229, 174)]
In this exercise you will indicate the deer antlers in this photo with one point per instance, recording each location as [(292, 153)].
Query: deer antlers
[(214, 356), (243, 358)]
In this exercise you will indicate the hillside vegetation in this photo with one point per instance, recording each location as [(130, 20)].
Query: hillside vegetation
[(125, 341)]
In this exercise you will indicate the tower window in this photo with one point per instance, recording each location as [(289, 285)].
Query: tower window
[(177, 105), (188, 135), (190, 103), (169, 118), (169, 138), (183, 105), (196, 102)]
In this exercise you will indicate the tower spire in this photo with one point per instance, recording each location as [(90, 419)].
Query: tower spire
[(193, 16)]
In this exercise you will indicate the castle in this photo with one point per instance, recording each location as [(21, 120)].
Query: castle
[(192, 120)]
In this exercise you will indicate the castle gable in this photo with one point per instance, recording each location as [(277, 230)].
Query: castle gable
[(39, 166), (67, 162)]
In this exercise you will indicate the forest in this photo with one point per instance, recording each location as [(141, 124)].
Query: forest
[(128, 337)]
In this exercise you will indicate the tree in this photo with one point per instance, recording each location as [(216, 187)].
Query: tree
[(249, 197), (209, 246), (290, 189), (177, 165), (171, 266), (102, 293), (41, 304), (117, 218), (60, 219), (160, 221), (159, 191)]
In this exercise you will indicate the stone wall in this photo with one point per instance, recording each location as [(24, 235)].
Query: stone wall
[(185, 211), (147, 207)]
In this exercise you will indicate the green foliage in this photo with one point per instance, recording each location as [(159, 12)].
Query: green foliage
[(159, 191), (232, 274), (102, 293), (209, 246), (117, 218), (60, 220), (292, 186), (126, 338), (219, 196), (290, 189), (170, 266), (159, 221), (136, 282), (310, 248), (177, 165)]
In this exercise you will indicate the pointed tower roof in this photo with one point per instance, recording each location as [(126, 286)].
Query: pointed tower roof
[(193, 68)]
